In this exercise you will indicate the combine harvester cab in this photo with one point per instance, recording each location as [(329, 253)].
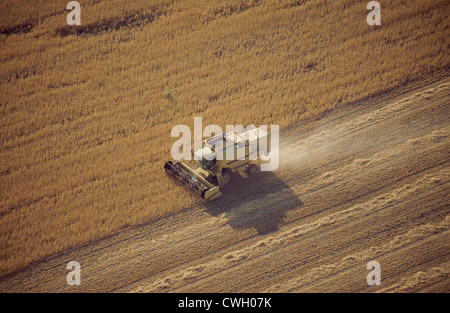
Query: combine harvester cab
[(238, 153)]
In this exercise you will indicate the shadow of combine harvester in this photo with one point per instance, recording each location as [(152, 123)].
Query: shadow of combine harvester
[(259, 202)]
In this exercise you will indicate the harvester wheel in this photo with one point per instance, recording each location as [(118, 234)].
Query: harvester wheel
[(226, 175), (252, 169)]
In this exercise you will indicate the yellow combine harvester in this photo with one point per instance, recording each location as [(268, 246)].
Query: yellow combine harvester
[(220, 156)]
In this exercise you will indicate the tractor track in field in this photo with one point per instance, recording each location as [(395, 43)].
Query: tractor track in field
[(368, 182)]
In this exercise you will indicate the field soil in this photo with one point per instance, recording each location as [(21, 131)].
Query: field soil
[(366, 182)]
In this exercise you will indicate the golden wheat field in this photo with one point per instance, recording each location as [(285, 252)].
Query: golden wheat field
[(86, 111)]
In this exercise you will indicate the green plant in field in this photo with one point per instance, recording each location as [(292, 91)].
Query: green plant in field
[(163, 108), (168, 93)]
